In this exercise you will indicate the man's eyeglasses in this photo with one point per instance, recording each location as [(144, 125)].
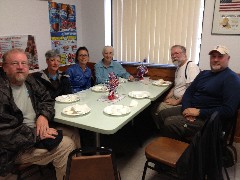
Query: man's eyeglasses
[(15, 63), (82, 55), (176, 53)]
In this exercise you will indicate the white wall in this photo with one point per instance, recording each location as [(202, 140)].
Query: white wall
[(23, 17), (26, 17), (209, 41), (93, 27), (31, 17)]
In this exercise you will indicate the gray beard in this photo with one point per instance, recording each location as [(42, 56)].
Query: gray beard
[(19, 80)]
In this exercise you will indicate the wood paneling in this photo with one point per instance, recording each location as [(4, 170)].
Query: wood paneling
[(154, 72), (237, 131)]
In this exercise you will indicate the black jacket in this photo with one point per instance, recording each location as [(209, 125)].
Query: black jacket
[(61, 86), (15, 137)]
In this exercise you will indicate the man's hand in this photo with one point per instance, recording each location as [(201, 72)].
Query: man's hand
[(131, 78), (169, 95), (43, 129), (190, 118), (191, 113), (172, 101)]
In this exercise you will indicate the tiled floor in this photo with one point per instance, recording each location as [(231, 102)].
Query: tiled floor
[(130, 155)]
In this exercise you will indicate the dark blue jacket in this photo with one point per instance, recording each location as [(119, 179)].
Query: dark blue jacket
[(212, 92), (79, 79)]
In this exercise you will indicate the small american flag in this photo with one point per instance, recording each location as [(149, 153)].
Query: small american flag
[(229, 5), (141, 71)]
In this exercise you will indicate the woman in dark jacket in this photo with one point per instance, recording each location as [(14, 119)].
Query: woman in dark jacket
[(55, 81)]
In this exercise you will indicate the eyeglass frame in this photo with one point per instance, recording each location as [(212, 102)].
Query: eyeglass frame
[(16, 63), (83, 55)]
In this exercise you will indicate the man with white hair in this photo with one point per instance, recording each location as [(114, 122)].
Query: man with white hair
[(107, 65), (212, 90)]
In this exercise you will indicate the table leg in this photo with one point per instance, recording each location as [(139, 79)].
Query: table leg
[(97, 139)]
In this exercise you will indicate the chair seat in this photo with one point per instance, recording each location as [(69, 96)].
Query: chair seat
[(165, 150)]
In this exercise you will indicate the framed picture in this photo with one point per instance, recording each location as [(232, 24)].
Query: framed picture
[(226, 17)]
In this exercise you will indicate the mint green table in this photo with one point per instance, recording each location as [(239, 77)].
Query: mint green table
[(101, 123)]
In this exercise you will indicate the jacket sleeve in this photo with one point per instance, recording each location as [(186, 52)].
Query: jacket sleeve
[(69, 73), (41, 99), (89, 83), (67, 89)]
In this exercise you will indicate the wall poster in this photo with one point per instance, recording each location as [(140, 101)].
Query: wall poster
[(226, 17), (25, 42), (63, 31)]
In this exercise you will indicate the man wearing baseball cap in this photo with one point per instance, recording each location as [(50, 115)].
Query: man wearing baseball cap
[(212, 90)]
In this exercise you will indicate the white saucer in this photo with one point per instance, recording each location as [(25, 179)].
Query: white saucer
[(161, 83), (76, 110), (99, 88), (117, 110), (67, 98), (139, 94)]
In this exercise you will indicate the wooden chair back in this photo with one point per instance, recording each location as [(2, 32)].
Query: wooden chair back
[(94, 164)]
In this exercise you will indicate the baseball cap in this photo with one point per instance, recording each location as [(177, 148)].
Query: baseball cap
[(221, 49)]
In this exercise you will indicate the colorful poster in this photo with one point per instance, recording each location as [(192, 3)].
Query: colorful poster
[(62, 18), (25, 42), (226, 18)]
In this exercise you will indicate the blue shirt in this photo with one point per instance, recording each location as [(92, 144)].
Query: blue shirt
[(102, 72), (214, 91), (79, 79)]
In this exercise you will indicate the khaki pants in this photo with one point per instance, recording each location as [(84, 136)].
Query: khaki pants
[(71, 132), (58, 156)]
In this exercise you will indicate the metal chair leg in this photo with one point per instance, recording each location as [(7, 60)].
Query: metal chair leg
[(145, 170), (226, 172)]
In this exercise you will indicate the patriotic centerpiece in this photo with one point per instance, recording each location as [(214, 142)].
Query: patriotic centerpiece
[(141, 71), (112, 85)]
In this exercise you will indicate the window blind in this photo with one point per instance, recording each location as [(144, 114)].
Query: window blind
[(148, 28)]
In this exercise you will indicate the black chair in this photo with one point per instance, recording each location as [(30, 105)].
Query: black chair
[(200, 159), (229, 150), (92, 163), (25, 171)]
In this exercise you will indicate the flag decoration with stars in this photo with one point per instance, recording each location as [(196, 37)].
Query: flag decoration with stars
[(112, 85), (141, 71)]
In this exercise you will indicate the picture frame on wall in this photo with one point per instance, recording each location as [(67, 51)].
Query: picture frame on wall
[(226, 17)]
